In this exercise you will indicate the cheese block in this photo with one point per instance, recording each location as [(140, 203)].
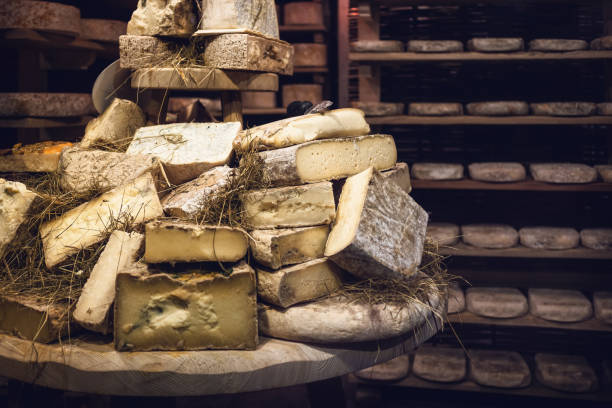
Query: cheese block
[(223, 16), (443, 233), (596, 238), (35, 158), (498, 108), (380, 108), (258, 100), (563, 173), (499, 303), (298, 206), (602, 302), (400, 174), (496, 44), (186, 308), (501, 369), (434, 46), (302, 13), (437, 171), (115, 128), (251, 53), (310, 55), (439, 364), (49, 105), (328, 159), (171, 18), (392, 370), (435, 109), (298, 283), (338, 123), (302, 92), (549, 237), (15, 202), (341, 320), (559, 305), (145, 51), (557, 45), (563, 108), (497, 172), (85, 171), (494, 236), (102, 30), (179, 241), (280, 247), (40, 16), (604, 108), (377, 46), (602, 43), (456, 299), (376, 221), (567, 373), (134, 202), (187, 149), (94, 305), (189, 199), (31, 318)]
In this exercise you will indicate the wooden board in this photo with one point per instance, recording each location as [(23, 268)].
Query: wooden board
[(478, 56), (210, 79), (461, 249), (527, 185), (489, 120)]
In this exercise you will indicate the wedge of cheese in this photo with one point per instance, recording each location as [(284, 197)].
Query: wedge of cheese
[(379, 231), (279, 247), (35, 158), (15, 202), (115, 128), (336, 123), (400, 174), (85, 225), (298, 283), (94, 304), (179, 241), (328, 159), (186, 309), (187, 149), (299, 206)]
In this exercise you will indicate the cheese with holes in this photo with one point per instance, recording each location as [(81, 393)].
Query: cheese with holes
[(131, 203), (298, 206), (499, 303), (502, 369), (497, 172), (279, 247), (15, 202), (437, 171), (31, 318), (172, 18), (337, 123), (569, 373), (440, 364), (298, 283), (186, 308), (93, 308), (400, 174), (494, 236), (329, 159), (602, 301), (187, 149), (559, 305), (443, 233), (115, 128), (392, 370), (596, 238), (179, 241), (376, 221), (549, 237), (561, 173)]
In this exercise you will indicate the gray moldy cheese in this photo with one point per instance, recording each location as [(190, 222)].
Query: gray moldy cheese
[(434, 46), (435, 109), (569, 373), (400, 174), (559, 305), (549, 237), (180, 241), (145, 51), (498, 108), (303, 12), (134, 202), (47, 105), (377, 46), (392, 370), (494, 236), (497, 172), (440, 364), (379, 108), (563, 108), (596, 238), (499, 303), (443, 233), (15, 202), (496, 44), (602, 43), (102, 30), (563, 173), (557, 45), (279, 247), (222, 16), (328, 159), (298, 283), (171, 18), (437, 171), (299, 206), (115, 128), (456, 299), (310, 55), (185, 309), (602, 301), (502, 369), (40, 15), (376, 220), (30, 318), (302, 92)]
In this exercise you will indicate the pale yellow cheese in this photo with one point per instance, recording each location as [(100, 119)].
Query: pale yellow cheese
[(275, 248), (15, 201)]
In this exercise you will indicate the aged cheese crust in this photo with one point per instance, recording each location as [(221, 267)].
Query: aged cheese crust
[(496, 44), (440, 364), (400, 174), (276, 248), (435, 109), (15, 202), (559, 305), (115, 128), (456, 299), (549, 237), (437, 171), (221, 16), (102, 30), (443, 233), (502, 369), (380, 108), (563, 108), (499, 303), (494, 236), (30, 318), (602, 301), (179, 241), (377, 46), (144, 51), (392, 370), (51, 105), (173, 18), (561, 173), (498, 108), (596, 238), (602, 43), (557, 45), (41, 16), (497, 172), (298, 283), (567, 373), (434, 46)]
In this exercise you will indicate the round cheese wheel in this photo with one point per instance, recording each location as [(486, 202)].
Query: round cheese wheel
[(51, 105), (259, 100), (40, 15), (302, 13), (309, 55)]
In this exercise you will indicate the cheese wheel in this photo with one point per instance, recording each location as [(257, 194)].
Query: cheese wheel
[(557, 45), (494, 236), (443, 233), (501, 369), (377, 46), (559, 305), (428, 46), (497, 172), (602, 301), (596, 238), (498, 303), (497, 108), (309, 55), (563, 108), (496, 44), (440, 364), (52, 105), (565, 372), (259, 100), (435, 109), (302, 92), (549, 237), (456, 299), (602, 43), (302, 13), (563, 173), (380, 108), (437, 171), (40, 15), (392, 370), (604, 108)]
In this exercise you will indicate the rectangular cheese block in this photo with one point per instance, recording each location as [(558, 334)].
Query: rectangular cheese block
[(15, 202), (298, 283), (144, 51), (94, 304), (299, 206), (279, 247), (336, 123), (186, 309), (329, 159), (179, 241), (86, 225), (400, 174), (187, 149)]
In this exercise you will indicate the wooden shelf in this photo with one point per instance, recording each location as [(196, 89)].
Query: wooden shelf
[(38, 123), (488, 120), (462, 249), (45, 41), (527, 185), (315, 70), (407, 57), (296, 28)]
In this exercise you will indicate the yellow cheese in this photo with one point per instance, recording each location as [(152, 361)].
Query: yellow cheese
[(15, 201)]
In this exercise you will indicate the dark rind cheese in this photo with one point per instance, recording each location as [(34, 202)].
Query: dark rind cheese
[(501, 369), (559, 305), (499, 303), (567, 373), (497, 172), (429, 46), (440, 364)]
